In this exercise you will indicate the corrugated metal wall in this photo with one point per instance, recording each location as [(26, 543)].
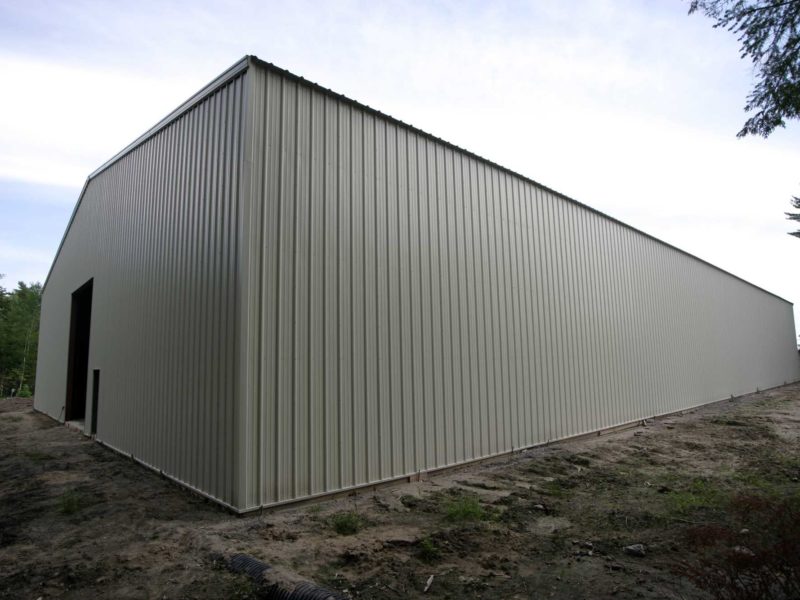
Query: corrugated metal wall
[(158, 232), (413, 306), (294, 294)]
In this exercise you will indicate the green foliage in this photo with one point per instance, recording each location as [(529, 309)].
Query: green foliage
[(769, 34), (464, 508), (428, 550), (19, 338), (346, 523), (794, 216), (700, 493)]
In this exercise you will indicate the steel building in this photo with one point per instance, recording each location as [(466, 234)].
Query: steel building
[(278, 292)]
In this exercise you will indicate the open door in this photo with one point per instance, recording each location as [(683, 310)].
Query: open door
[(78, 361)]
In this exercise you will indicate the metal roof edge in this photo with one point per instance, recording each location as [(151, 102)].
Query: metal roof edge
[(231, 72), (234, 70), (242, 64), (328, 92), (66, 231)]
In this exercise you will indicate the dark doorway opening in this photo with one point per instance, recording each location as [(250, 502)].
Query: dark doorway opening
[(78, 361)]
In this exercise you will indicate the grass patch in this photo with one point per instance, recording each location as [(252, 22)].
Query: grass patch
[(754, 481), (558, 487), (769, 469), (789, 467), (543, 466), (754, 428), (540, 469), (699, 494), (428, 551), (347, 523), (69, 503), (609, 478), (553, 488), (464, 508)]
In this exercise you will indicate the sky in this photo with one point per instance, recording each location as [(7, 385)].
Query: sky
[(629, 106)]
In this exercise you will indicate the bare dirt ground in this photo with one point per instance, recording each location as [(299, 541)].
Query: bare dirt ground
[(79, 521)]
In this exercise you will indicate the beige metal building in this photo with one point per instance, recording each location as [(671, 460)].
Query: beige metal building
[(277, 293)]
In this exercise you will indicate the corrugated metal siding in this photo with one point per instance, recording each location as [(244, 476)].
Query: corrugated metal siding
[(158, 232), (413, 306), (404, 305)]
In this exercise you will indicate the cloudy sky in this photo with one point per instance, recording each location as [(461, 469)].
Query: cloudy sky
[(628, 106)]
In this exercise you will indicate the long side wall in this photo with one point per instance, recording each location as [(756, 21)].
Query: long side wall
[(414, 307), (157, 230)]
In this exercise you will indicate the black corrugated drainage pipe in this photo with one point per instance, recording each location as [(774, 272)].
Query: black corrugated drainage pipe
[(276, 584)]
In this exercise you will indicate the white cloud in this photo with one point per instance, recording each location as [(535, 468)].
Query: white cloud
[(62, 121), (20, 263)]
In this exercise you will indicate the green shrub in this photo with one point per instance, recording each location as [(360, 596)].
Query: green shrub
[(428, 550), (346, 523)]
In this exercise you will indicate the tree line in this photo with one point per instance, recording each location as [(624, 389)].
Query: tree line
[(19, 338)]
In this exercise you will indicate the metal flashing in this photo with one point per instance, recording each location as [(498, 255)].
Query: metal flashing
[(233, 71)]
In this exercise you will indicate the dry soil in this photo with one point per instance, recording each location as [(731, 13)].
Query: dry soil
[(80, 521)]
